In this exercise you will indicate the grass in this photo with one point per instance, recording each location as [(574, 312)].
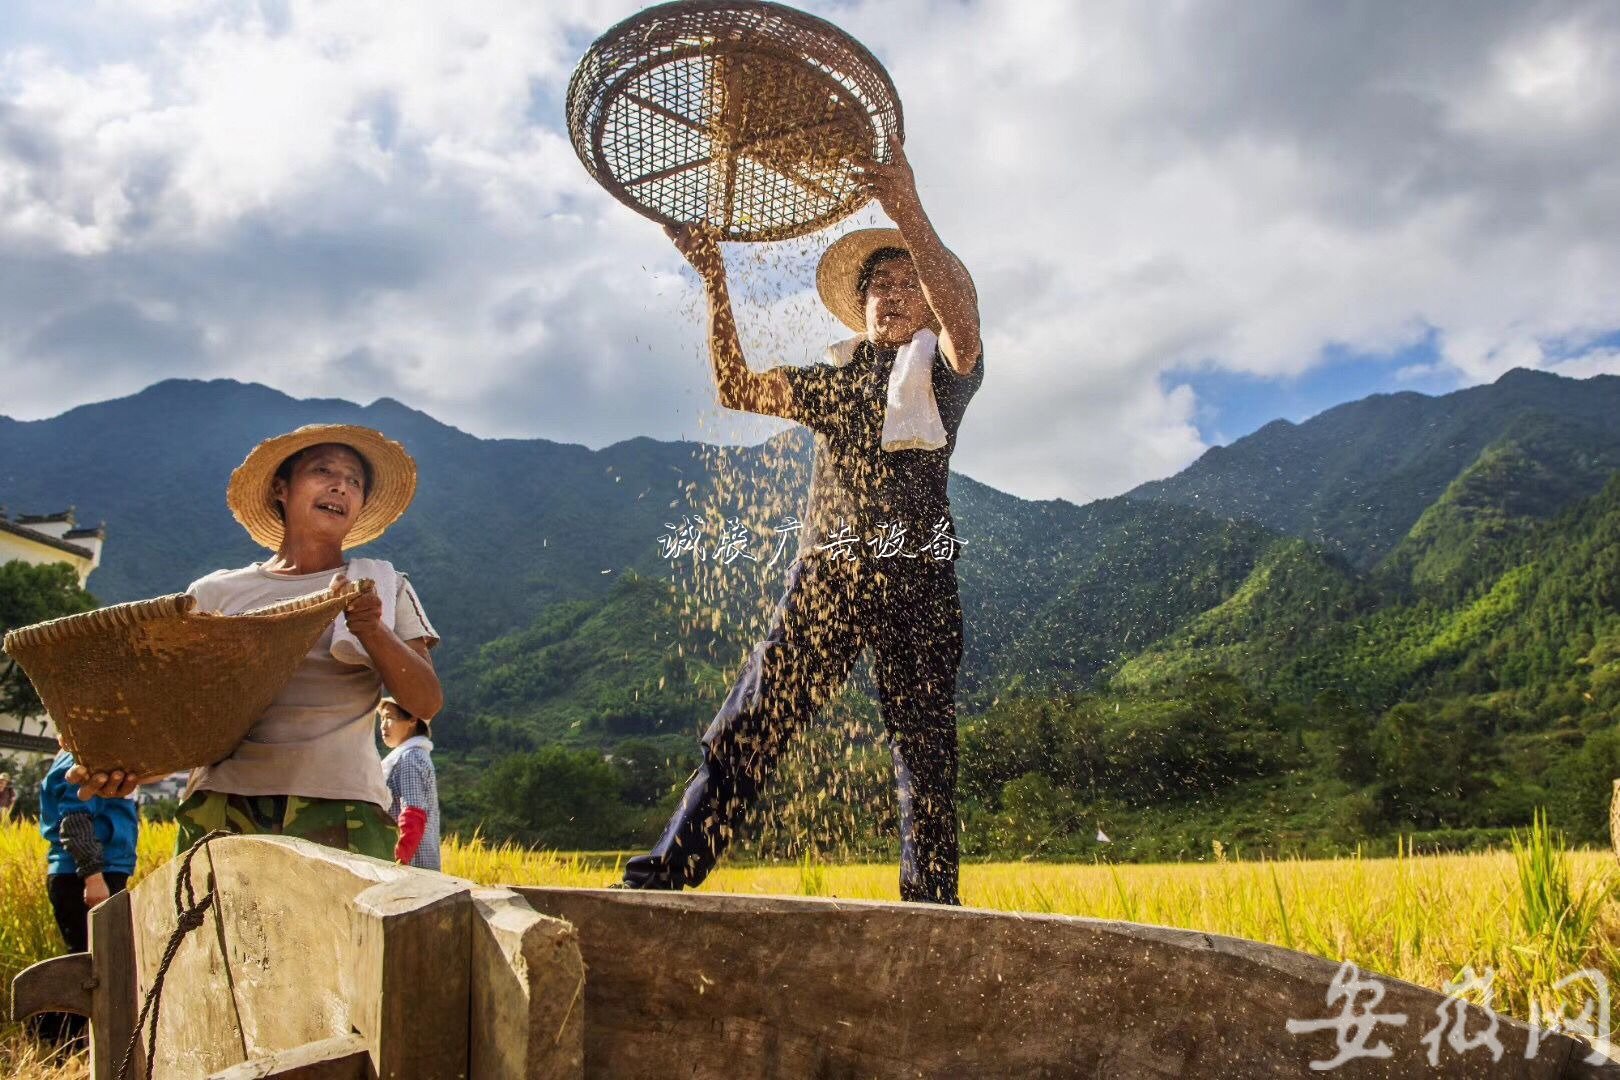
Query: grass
[(1533, 915)]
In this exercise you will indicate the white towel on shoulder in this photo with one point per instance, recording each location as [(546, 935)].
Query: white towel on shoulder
[(346, 648), (911, 417)]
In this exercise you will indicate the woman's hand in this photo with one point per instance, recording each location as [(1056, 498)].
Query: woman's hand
[(116, 784), (364, 614), (700, 246), (406, 671), (363, 611)]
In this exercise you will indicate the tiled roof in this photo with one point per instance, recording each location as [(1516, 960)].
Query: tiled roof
[(45, 538), (47, 519)]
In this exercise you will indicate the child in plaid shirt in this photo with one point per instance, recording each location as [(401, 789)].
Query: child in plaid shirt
[(408, 768)]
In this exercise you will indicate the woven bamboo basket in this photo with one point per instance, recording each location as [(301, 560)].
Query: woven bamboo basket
[(155, 687), (739, 114)]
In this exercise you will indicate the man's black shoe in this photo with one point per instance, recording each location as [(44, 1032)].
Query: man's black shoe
[(649, 872)]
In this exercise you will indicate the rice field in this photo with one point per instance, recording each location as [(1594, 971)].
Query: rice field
[(1532, 915)]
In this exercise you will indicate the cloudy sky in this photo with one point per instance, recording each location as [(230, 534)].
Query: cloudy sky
[(1185, 218)]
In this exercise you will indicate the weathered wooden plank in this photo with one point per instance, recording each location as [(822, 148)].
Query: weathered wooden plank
[(343, 1058), (61, 984), (113, 1003), (715, 986), (414, 938), (198, 1033), (306, 943), (528, 992)]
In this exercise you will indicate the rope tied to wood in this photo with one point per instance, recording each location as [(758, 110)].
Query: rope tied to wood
[(189, 915)]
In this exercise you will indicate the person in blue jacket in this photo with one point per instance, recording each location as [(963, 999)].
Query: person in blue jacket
[(92, 849)]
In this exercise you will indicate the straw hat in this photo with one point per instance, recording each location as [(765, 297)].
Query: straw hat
[(840, 270), (393, 482)]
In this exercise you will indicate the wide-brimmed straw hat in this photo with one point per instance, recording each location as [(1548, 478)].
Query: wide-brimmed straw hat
[(393, 482), (839, 272)]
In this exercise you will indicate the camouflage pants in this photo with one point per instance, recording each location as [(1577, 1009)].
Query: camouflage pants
[(362, 827)]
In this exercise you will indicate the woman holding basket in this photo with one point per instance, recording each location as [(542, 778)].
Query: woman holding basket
[(309, 766)]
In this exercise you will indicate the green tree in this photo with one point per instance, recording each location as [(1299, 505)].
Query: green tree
[(1206, 734), (1435, 764), (1583, 786), (648, 773), (1349, 732), (1035, 812), (25, 780), (555, 797), (31, 594)]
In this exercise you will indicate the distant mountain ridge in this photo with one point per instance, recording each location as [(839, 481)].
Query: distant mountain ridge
[(1357, 477), (504, 531), (499, 527)]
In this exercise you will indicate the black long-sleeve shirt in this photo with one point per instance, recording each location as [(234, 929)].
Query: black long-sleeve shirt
[(854, 481)]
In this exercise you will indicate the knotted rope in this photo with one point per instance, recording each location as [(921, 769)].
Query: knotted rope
[(189, 914)]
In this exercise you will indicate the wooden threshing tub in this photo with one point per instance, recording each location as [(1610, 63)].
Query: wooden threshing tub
[(318, 964)]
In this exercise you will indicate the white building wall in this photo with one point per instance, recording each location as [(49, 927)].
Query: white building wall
[(14, 547)]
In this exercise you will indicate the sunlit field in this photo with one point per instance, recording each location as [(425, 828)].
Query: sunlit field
[(1532, 915)]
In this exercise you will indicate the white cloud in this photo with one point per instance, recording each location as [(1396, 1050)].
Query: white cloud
[(377, 198), (1596, 362)]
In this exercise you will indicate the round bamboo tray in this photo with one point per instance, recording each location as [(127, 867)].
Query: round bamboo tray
[(737, 114), (155, 687)]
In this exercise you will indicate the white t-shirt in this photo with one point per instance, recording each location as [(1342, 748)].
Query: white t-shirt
[(317, 737)]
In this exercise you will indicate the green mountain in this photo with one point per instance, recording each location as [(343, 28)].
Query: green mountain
[(1539, 466), (504, 530), (1497, 587), (1145, 570), (591, 672), (1288, 641), (1356, 478), (1277, 630), (499, 529), (1380, 705)]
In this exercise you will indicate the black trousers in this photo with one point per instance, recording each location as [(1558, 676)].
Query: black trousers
[(73, 920), (67, 904), (909, 613)]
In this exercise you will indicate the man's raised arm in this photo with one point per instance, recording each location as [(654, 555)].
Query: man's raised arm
[(739, 386), (945, 281)]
